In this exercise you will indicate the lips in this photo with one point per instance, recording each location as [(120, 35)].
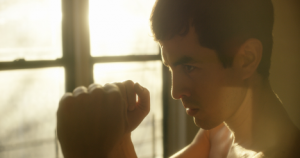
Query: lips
[(191, 112), (189, 106)]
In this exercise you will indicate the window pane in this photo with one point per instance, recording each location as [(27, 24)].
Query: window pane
[(28, 112), (147, 138), (121, 27), (30, 29)]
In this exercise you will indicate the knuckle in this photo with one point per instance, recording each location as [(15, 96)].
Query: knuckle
[(128, 82), (108, 87), (93, 85), (66, 99), (119, 84), (65, 102), (147, 111), (95, 88), (114, 98), (82, 95), (146, 91), (79, 90), (114, 93), (97, 91)]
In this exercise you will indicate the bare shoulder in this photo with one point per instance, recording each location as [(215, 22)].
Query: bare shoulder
[(287, 147), (290, 148), (288, 144)]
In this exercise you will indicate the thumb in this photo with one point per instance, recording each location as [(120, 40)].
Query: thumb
[(142, 108), (143, 103)]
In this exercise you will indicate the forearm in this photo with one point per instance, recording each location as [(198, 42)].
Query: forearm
[(85, 154), (124, 149)]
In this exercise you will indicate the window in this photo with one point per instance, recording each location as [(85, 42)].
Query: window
[(122, 48), (31, 79), (48, 47)]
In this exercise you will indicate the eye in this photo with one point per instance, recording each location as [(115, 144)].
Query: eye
[(188, 68)]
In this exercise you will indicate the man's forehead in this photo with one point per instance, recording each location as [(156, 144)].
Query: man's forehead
[(181, 49), (163, 55), (173, 54), (175, 59), (171, 49), (176, 39)]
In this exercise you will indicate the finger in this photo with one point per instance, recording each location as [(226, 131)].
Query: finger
[(65, 99), (142, 108), (143, 98), (131, 95), (93, 86), (123, 100), (79, 90), (108, 87), (123, 93), (114, 97), (65, 96), (114, 92)]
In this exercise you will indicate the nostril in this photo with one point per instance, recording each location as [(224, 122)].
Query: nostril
[(180, 93), (176, 95)]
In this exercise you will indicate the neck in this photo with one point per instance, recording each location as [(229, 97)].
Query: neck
[(241, 122), (261, 123)]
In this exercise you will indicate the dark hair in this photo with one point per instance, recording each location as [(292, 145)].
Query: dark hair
[(221, 25)]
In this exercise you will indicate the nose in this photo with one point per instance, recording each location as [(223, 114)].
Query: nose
[(180, 86)]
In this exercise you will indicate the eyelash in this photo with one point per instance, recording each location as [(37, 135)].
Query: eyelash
[(186, 67)]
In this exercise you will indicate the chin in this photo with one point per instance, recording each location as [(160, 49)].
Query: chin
[(206, 124)]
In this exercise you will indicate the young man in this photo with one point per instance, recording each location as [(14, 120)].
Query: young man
[(219, 54)]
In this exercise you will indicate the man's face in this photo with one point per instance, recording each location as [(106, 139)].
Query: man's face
[(209, 92)]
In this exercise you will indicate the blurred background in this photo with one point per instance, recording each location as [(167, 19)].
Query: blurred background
[(48, 47)]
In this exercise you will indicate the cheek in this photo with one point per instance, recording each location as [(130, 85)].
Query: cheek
[(208, 85), (218, 95), (218, 108)]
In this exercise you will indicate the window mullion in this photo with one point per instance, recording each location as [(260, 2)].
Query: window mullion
[(76, 51), (22, 64), (83, 64), (132, 58), (68, 44)]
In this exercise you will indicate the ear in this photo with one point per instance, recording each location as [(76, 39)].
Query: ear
[(248, 57)]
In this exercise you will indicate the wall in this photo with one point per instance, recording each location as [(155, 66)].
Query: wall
[(285, 67)]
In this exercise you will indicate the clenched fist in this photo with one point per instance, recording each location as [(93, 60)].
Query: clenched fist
[(91, 122)]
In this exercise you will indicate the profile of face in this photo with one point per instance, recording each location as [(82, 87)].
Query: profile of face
[(209, 92)]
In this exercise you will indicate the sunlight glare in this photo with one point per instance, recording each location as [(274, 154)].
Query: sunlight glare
[(30, 29), (119, 27)]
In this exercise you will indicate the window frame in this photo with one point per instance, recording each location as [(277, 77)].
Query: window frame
[(78, 64)]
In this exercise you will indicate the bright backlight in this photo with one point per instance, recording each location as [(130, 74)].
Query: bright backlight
[(121, 27)]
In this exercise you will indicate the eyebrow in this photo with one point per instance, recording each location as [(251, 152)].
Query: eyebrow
[(182, 60)]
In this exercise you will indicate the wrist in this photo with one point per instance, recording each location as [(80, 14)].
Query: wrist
[(87, 154), (124, 148)]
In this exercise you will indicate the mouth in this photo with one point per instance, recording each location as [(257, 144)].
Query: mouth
[(191, 111), (189, 108)]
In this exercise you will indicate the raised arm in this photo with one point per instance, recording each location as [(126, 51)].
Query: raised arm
[(97, 122)]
